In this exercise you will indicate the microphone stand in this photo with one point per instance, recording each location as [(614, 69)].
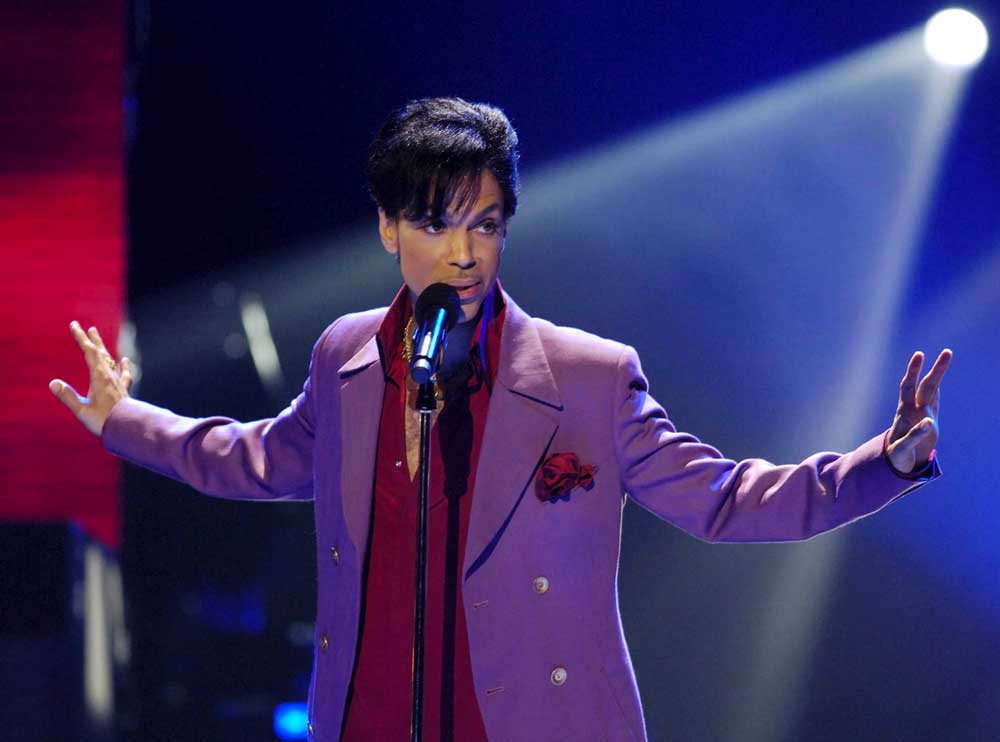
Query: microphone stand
[(444, 306), (426, 404)]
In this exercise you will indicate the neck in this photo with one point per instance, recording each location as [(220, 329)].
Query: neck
[(459, 340)]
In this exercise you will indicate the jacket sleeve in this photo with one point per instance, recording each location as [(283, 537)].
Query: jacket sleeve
[(269, 459), (690, 483)]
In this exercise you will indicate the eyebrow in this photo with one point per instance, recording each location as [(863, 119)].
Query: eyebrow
[(495, 206)]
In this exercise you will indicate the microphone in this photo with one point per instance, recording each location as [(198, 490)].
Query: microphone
[(436, 313)]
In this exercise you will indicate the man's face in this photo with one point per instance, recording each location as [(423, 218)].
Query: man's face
[(460, 249)]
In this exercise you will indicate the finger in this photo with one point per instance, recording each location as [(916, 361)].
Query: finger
[(934, 407), (95, 337), (127, 374), (102, 351), (916, 435), (67, 395), (908, 385), (88, 348), (931, 382)]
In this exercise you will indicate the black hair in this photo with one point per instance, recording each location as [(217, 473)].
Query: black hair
[(441, 145)]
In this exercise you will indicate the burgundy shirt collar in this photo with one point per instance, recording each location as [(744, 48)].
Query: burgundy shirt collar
[(485, 338)]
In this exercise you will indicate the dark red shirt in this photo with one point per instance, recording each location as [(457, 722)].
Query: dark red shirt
[(379, 700)]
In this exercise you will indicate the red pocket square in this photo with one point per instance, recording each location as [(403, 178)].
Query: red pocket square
[(560, 473)]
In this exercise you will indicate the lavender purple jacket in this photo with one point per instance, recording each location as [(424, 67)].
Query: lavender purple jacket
[(558, 390)]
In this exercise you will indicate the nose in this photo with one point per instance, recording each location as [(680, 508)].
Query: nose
[(461, 250)]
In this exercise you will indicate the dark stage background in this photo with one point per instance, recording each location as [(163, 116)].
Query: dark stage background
[(246, 131)]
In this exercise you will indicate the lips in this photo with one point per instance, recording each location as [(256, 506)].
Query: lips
[(466, 291)]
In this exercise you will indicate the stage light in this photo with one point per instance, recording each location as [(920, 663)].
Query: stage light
[(262, 349), (956, 38), (291, 721)]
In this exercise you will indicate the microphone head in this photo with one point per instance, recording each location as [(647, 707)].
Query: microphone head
[(438, 296)]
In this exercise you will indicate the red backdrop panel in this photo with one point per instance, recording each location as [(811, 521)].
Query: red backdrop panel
[(61, 236)]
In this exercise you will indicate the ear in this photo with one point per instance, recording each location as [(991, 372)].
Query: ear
[(388, 231)]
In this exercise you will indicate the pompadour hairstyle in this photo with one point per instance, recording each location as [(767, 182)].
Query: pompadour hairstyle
[(429, 154)]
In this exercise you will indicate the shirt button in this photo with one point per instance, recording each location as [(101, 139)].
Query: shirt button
[(324, 644), (540, 583), (335, 555), (559, 676)]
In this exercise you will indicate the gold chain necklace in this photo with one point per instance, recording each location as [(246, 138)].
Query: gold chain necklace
[(408, 354), (408, 340)]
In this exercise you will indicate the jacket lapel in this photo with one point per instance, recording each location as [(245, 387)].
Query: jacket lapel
[(362, 384), (523, 417), (522, 420)]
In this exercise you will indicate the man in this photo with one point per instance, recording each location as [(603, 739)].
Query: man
[(540, 433)]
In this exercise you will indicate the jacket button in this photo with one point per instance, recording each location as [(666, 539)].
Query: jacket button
[(540, 583), (311, 728), (324, 644), (559, 676), (335, 555)]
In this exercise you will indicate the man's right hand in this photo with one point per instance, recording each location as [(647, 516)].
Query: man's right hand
[(109, 381)]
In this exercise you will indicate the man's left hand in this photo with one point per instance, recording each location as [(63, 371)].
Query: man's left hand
[(914, 431)]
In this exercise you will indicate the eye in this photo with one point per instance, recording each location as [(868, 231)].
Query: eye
[(435, 226), (489, 227)]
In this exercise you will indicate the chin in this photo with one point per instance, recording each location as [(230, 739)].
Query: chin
[(469, 311)]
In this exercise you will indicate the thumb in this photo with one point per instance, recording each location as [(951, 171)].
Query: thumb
[(914, 436), (67, 395)]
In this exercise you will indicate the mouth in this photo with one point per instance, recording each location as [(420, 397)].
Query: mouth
[(466, 291)]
